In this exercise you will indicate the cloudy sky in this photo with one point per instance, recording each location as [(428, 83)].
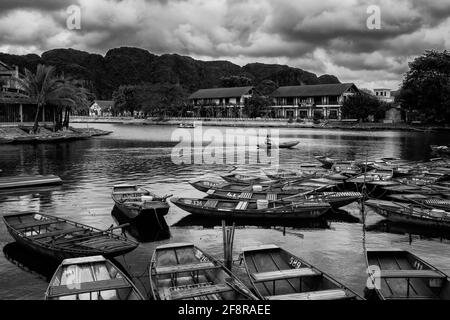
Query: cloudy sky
[(326, 36)]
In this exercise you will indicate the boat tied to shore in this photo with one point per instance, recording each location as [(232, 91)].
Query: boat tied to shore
[(276, 274), (136, 202), (181, 271), (401, 275), (411, 214), (59, 238), (91, 278), (259, 209)]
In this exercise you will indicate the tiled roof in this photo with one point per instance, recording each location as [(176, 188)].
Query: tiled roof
[(220, 93), (313, 90), (104, 104)]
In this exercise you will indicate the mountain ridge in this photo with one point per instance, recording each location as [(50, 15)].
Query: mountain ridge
[(132, 66)]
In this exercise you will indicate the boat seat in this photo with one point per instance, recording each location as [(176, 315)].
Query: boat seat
[(35, 224), (271, 196), (333, 294), (57, 233), (242, 205), (190, 293), (411, 274), (185, 268), (284, 274), (94, 286), (246, 195), (211, 203)]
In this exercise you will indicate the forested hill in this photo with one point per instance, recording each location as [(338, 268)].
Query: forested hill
[(126, 65)]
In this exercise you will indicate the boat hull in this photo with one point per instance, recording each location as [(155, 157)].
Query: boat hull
[(293, 213)]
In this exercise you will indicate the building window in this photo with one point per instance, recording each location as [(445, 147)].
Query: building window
[(333, 100)]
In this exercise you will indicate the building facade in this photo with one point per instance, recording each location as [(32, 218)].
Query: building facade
[(323, 101), (385, 95), (102, 108), (291, 102), (220, 102), (15, 106)]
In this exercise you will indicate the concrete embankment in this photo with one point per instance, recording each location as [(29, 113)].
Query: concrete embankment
[(270, 123)]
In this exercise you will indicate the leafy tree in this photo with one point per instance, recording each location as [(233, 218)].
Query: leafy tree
[(426, 87), (46, 88), (257, 106), (126, 99), (362, 106), (266, 87)]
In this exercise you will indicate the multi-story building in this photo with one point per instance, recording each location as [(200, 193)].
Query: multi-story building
[(307, 101), (322, 101), (221, 102)]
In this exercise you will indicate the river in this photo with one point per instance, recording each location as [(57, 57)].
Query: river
[(143, 155)]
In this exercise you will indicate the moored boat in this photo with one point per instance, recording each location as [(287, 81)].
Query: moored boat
[(246, 179), (277, 274), (400, 275), (326, 162), (335, 199), (90, 278), (423, 200), (281, 145), (181, 271), (135, 201), (59, 238), (411, 214), (250, 209)]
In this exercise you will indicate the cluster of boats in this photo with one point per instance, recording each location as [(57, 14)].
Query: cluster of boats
[(401, 191)]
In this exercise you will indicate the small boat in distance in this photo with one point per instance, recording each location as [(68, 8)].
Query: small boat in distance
[(281, 145), (136, 201), (277, 274), (181, 271), (59, 238), (411, 214), (252, 210), (90, 278), (401, 275), (186, 125)]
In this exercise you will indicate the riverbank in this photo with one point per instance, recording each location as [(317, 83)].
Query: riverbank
[(15, 135), (269, 123)]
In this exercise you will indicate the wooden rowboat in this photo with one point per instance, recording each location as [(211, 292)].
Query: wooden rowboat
[(399, 274), (90, 278), (28, 181), (59, 238), (182, 271), (282, 145), (249, 210), (245, 179), (411, 214), (134, 201), (210, 187), (335, 199), (279, 275), (423, 200)]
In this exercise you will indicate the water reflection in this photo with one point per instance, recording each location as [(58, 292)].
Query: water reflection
[(411, 231), (30, 260), (144, 228)]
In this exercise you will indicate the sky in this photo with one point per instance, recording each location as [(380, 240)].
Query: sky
[(340, 37)]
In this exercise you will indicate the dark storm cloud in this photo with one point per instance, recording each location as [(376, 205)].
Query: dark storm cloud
[(44, 5), (325, 36)]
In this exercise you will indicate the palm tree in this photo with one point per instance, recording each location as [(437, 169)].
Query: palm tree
[(44, 87)]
